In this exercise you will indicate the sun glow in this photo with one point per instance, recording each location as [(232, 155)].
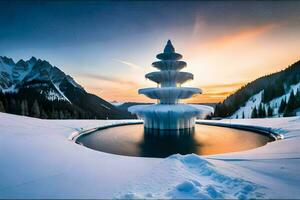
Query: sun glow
[(222, 60)]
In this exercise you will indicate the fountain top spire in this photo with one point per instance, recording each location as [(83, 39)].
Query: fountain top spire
[(169, 48), (169, 53)]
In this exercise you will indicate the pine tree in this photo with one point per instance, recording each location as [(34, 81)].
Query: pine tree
[(297, 97), (54, 114), (24, 108), (12, 106), (254, 113), (243, 115), (261, 111), (35, 110), (61, 115), (67, 115), (282, 106), (270, 111), (44, 114), (2, 109), (291, 106)]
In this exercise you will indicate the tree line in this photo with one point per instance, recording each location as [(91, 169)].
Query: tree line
[(285, 109), (31, 103)]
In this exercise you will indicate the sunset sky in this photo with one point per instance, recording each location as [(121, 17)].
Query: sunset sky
[(108, 46)]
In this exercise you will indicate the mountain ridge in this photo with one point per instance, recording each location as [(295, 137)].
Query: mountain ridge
[(264, 91), (48, 83)]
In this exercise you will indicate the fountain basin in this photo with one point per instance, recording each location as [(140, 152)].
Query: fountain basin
[(134, 140)]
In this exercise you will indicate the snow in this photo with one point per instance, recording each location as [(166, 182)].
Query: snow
[(12, 75), (108, 108), (53, 95), (71, 80), (56, 85), (116, 104), (38, 160), (199, 179), (275, 103), (256, 99), (11, 89)]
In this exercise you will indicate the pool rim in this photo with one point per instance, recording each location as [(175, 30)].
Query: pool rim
[(266, 131)]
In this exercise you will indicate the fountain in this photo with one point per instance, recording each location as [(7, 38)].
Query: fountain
[(169, 126), (169, 113)]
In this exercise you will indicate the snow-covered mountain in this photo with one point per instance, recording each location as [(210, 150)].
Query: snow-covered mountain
[(49, 83), (256, 100), (273, 95), (34, 73)]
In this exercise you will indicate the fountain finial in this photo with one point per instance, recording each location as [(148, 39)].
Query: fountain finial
[(169, 47)]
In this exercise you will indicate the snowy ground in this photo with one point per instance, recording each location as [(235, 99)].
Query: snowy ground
[(39, 161)]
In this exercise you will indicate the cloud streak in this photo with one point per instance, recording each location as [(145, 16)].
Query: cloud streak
[(130, 65)]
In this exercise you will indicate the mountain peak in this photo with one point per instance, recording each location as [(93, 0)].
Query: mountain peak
[(27, 72), (7, 60), (32, 59), (21, 62)]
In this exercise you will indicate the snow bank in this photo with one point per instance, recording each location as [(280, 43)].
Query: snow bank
[(38, 161), (193, 177)]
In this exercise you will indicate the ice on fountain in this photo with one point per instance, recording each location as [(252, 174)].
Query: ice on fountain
[(168, 76), (169, 113), (169, 65), (172, 116), (169, 95)]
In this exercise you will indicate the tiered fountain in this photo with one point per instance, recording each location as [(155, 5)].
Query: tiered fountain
[(169, 113), (169, 126)]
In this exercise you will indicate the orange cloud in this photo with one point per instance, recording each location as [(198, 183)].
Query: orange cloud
[(217, 88), (241, 36), (215, 93)]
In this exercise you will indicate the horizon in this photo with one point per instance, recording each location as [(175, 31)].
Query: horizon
[(108, 45), (192, 102)]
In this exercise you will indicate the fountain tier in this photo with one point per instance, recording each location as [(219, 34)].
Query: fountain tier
[(169, 78), (169, 95)]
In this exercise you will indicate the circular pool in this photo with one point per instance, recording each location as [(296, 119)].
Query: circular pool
[(134, 140)]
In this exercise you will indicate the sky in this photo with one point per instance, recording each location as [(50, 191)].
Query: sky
[(108, 46)]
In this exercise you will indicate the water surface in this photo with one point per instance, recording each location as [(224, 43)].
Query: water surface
[(134, 140)]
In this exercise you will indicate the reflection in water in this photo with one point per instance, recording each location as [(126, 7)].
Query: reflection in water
[(134, 140), (162, 143)]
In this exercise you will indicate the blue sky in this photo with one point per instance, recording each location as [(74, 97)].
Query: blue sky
[(108, 45)]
